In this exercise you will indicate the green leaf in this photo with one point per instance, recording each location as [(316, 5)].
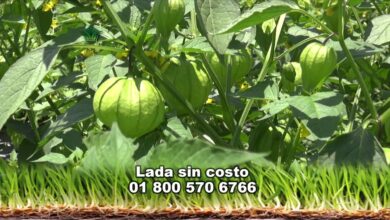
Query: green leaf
[(22, 78), (27, 73), (182, 153), (54, 158), (98, 67), (213, 15), (267, 89), (258, 14), (197, 45), (318, 105), (380, 32), (42, 20), (77, 113), (357, 147), (359, 49), (108, 152), (320, 113), (176, 129)]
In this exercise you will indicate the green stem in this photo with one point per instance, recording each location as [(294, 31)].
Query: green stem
[(194, 29), (24, 47), (377, 7), (355, 67), (142, 37), (317, 21), (355, 105), (356, 14), (153, 70), (51, 103), (267, 63), (228, 113), (32, 119), (126, 34), (298, 45), (97, 47)]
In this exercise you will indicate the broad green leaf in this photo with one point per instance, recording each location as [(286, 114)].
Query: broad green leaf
[(176, 129), (183, 152), (380, 31), (320, 113), (110, 152), (98, 67), (213, 15), (274, 108), (27, 73), (23, 77), (267, 89), (318, 105), (42, 20), (359, 49), (258, 14), (54, 158), (77, 113), (197, 45), (122, 8), (357, 147)]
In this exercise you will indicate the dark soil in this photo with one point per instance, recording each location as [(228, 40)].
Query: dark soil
[(123, 213)]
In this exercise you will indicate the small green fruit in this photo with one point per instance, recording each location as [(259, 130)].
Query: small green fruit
[(317, 62), (168, 13), (291, 75), (191, 82), (135, 104), (241, 65)]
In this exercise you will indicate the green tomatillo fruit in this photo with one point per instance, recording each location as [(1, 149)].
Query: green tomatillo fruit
[(191, 82), (291, 76), (167, 14), (135, 104), (241, 64), (317, 62)]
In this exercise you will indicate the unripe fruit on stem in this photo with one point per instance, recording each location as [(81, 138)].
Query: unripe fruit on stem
[(135, 104), (167, 14), (317, 62), (291, 75), (241, 65), (191, 82)]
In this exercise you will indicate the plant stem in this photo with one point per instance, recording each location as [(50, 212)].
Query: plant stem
[(153, 69), (298, 45), (32, 119), (51, 103), (98, 47), (228, 113), (267, 62), (355, 67), (356, 14), (127, 35), (317, 21), (355, 105), (377, 7), (24, 47)]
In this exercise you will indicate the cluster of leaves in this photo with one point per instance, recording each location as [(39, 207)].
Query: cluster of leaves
[(54, 55)]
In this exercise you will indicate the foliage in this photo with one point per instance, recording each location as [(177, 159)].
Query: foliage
[(54, 55)]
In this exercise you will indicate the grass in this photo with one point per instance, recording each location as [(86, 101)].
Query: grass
[(299, 188)]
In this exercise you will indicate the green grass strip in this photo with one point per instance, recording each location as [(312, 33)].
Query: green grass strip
[(300, 188)]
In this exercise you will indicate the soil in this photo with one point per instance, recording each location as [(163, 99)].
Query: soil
[(123, 213)]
